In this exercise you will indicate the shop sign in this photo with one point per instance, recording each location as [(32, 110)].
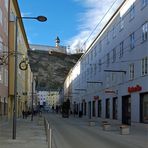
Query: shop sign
[(134, 88), (109, 91), (96, 97)]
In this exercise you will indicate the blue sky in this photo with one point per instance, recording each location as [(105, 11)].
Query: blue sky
[(71, 20)]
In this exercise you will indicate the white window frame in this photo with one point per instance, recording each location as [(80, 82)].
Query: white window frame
[(6, 4), (144, 66), (114, 32), (144, 3), (1, 16), (1, 74), (121, 49), (6, 77), (132, 11), (121, 23), (114, 55), (132, 40), (131, 71), (100, 65), (100, 46), (144, 31), (107, 37), (108, 60)]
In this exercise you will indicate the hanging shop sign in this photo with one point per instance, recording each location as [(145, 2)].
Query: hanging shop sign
[(96, 97), (134, 88)]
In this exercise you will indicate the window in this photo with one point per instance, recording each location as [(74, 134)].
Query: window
[(121, 49), (6, 77), (95, 51), (121, 23), (132, 41), (144, 31), (6, 4), (107, 38), (131, 71), (108, 59), (144, 3), (114, 55), (1, 16), (1, 44), (100, 46), (114, 32), (95, 69), (92, 55), (100, 65), (132, 12), (1, 74), (144, 66)]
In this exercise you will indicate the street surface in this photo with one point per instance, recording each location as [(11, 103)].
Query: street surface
[(76, 133)]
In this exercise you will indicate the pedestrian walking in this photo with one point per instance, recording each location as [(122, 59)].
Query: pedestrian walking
[(23, 113)]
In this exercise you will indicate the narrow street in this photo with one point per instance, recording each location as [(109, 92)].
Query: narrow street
[(76, 133)]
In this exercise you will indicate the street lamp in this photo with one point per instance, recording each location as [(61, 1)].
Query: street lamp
[(16, 18)]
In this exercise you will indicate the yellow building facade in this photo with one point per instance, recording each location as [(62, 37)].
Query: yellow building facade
[(23, 77)]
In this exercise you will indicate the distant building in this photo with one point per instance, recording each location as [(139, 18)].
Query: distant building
[(48, 98), (53, 98), (57, 47)]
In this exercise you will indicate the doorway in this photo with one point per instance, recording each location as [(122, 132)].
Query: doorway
[(107, 108), (126, 110), (144, 108), (89, 109), (115, 105)]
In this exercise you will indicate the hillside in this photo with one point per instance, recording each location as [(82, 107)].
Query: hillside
[(51, 68)]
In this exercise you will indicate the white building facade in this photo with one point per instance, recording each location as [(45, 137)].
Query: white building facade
[(111, 78), (48, 98)]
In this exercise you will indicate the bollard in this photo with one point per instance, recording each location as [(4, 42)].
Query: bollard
[(49, 136)]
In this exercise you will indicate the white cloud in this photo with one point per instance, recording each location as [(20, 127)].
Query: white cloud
[(26, 14), (95, 10)]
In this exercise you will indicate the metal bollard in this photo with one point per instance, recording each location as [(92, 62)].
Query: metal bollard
[(49, 136)]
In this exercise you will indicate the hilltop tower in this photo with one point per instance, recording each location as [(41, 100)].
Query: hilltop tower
[(57, 41)]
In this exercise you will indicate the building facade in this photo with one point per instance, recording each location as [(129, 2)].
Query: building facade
[(48, 98), (111, 79), (23, 76), (3, 61)]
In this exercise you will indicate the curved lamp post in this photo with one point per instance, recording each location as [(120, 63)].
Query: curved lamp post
[(16, 18)]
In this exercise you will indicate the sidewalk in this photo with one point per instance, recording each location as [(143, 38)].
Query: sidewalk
[(138, 132), (29, 134)]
